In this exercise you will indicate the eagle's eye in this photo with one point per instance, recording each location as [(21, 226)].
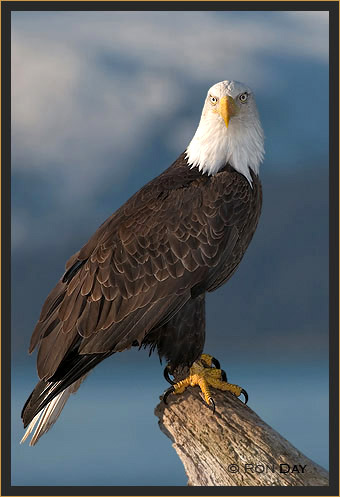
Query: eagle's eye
[(243, 97), (213, 100)]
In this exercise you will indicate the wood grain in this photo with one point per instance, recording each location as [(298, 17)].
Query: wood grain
[(234, 446)]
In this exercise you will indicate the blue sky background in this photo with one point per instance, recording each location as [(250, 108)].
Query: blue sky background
[(101, 103)]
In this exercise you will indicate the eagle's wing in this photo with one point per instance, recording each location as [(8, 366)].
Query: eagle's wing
[(169, 243), (140, 268)]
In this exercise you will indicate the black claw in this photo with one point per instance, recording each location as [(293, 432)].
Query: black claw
[(212, 403), (245, 395), (167, 393), (167, 377), (216, 363), (224, 376)]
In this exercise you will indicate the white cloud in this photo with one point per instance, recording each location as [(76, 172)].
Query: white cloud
[(61, 99), (87, 86), (308, 34)]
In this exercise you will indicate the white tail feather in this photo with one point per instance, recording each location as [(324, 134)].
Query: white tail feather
[(30, 427), (48, 416), (50, 413)]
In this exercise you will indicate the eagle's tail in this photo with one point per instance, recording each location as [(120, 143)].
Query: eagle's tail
[(49, 414)]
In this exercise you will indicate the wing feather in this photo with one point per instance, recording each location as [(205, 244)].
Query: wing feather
[(142, 264)]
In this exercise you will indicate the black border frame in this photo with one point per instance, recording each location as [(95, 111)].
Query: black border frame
[(333, 8)]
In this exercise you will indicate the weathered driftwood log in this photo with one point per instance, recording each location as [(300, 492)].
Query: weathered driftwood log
[(232, 447)]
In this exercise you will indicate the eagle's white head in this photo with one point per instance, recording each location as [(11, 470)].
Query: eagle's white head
[(229, 131)]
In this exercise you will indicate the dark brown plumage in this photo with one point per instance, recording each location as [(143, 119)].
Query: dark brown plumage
[(142, 276)]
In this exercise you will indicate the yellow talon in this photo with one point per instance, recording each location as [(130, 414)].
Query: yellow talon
[(203, 374), (181, 385)]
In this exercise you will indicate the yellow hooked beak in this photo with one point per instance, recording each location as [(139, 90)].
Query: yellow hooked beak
[(227, 109)]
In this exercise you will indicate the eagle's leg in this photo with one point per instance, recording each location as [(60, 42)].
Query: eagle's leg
[(203, 374)]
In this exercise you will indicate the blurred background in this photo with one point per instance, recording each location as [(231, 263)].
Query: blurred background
[(101, 103)]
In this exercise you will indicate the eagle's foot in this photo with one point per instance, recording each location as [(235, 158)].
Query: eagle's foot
[(205, 372)]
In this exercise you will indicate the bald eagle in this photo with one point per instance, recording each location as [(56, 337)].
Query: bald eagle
[(141, 279)]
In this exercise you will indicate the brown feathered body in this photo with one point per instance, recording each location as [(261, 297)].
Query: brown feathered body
[(141, 279)]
